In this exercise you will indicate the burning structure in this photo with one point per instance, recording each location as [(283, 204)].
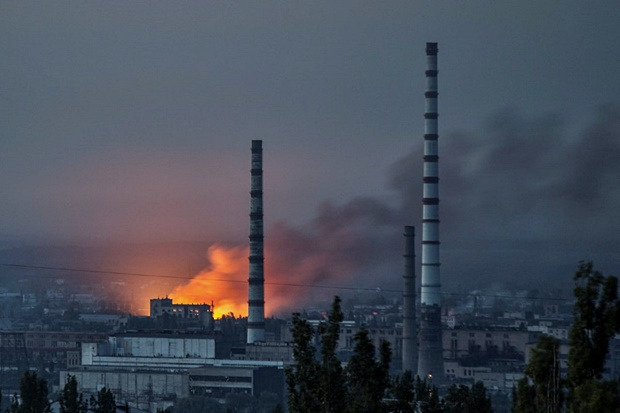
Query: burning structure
[(201, 313)]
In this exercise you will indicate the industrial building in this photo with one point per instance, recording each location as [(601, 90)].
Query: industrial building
[(150, 370), (200, 314)]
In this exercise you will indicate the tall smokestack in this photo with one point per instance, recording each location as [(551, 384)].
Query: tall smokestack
[(410, 344), (430, 361), (256, 295)]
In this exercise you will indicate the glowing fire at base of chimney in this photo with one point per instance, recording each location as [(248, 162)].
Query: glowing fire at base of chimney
[(224, 283)]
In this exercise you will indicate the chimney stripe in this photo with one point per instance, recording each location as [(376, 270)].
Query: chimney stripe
[(256, 280), (430, 357)]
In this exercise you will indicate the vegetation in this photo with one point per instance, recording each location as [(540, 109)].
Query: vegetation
[(318, 383), (543, 371), (464, 399), (34, 396), (104, 402), (322, 385), (402, 397), (596, 321), (367, 379), (70, 400), (427, 397)]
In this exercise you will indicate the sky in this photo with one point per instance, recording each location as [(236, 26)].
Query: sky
[(131, 123)]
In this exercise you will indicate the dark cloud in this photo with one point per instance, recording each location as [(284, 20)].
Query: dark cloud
[(127, 121), (520, 199)]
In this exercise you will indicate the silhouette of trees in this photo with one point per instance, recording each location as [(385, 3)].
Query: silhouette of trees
[(34, 395), (320, 384), (104, 402), (597, 320), (70, 400)]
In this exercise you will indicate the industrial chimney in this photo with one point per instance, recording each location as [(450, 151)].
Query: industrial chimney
[(410, 343), (256, 295), (430, 361)]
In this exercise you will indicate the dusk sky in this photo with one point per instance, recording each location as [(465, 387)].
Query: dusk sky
[(132, 122)]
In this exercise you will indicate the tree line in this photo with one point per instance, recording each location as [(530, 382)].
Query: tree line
[(34, 398), (596, 321), (319, 383)]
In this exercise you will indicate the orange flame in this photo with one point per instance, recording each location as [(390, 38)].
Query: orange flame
[(287, 276), (224, 283)]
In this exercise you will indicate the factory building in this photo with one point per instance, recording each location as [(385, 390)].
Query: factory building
[(219, 380), (149, 370), (199, 314)]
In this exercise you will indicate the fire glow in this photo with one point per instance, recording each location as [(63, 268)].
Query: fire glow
[(288, 276), (224, 282)]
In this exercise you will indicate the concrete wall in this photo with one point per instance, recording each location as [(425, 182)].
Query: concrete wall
[(163, 347), (127, 385)]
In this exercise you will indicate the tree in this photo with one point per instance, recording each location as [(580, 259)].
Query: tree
[(596, 396), (402, 395), (367, 378), (302, 378), (34, 395), (596, 321), (104, 402), (321, 385), (70, 400), (456, 399), (427, 398), (523, 397), (463, 399), (543, 371), (332, 390), (478, 400)]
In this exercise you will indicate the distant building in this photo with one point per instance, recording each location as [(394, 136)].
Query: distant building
[(149, 370), (144, 350), (218, 381), (486, 343), (201, 313), (268, 351), (46, 346), (503, 381)]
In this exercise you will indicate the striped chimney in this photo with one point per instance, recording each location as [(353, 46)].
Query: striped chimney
[(430, 363), (410, 339), (256, 295)]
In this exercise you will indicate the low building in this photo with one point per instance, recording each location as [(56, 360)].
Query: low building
[(269, 351), (486, 343), (200, 313), (218, 381), (149, 370), (139, 388), (146, 350)]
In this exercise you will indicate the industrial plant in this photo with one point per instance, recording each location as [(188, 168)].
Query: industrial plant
[(180, 350)]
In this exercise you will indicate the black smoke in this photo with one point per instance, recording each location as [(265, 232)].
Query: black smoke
[(523, 199)]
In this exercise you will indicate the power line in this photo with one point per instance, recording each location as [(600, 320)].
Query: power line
[(298, 285)]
